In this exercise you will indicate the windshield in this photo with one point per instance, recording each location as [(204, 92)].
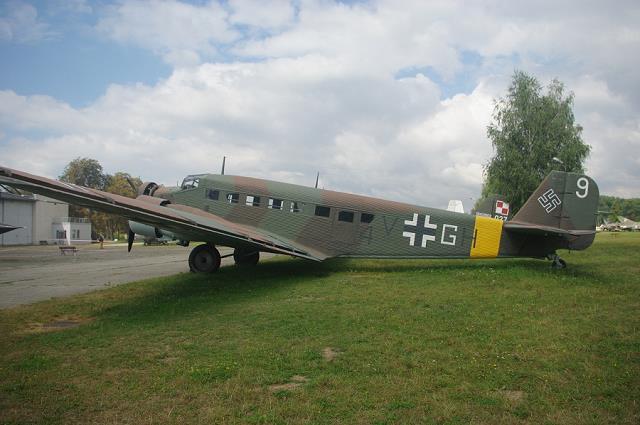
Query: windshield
[(191, 182)]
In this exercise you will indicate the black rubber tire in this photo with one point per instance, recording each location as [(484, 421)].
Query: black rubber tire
[(204, 258), (245, 258), (559, 263)]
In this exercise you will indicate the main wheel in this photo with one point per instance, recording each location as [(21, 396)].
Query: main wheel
[(559, 263), (244, 257), (204, 258)]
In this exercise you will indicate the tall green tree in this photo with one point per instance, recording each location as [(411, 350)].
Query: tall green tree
[(89, 173), (615, 207), (118, 183), (85, 172), (528, 130)]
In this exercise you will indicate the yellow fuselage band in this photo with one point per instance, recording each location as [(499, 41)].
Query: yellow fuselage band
[(486, 237)]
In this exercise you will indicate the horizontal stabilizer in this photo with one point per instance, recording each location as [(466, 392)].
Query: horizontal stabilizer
[(541, 230)]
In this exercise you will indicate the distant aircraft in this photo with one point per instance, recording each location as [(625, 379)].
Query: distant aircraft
[(253, 215), (4, 228)]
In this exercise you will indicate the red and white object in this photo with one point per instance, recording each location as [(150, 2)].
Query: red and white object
[(502, 208)]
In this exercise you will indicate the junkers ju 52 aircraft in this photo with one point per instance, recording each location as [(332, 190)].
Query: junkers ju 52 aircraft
[(253, 215)]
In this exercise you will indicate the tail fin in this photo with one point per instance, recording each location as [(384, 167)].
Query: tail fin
[(565, 205)]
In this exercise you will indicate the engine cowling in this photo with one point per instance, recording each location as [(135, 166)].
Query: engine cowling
[(149, 231), (148, 188)]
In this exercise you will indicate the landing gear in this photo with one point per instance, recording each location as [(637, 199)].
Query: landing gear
[(557, 262), (204, 258), (244, 257)]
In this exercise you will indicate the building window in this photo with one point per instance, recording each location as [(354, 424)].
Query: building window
[(275, 204), (61, 234), (233, 198), (212, 194), (253, 200), (75, 233), (345, 216), (322, 211), (295, 207), (366, 218)]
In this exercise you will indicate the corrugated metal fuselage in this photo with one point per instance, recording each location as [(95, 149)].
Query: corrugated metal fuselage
[(341, 224)]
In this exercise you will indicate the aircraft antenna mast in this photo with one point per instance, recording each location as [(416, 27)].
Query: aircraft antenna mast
[(317, 178), (224, 159)]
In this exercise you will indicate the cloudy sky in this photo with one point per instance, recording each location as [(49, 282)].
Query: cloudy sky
[(384, 98)]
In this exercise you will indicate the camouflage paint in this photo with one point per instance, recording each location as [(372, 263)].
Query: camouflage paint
[(560, 214)]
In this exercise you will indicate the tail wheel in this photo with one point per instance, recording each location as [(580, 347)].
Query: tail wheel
[(204, 259), (244, 257), (557, 262)]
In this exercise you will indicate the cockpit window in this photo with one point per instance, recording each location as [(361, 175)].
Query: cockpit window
[(190, 182)]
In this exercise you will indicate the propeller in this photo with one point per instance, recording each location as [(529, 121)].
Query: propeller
[(130, 238), (132, 184)]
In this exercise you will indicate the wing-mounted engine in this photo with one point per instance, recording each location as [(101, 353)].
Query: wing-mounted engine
[(136, 228), (148, 188)]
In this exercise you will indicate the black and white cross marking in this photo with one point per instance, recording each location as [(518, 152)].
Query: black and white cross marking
[(421, 228)]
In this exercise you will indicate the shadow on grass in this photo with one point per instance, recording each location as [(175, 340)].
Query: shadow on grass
[(186, 294)]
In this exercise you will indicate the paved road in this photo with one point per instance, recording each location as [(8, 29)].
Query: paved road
[(34, 273)]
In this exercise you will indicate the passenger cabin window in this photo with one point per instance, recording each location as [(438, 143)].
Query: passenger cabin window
[(214, 195), (233, 198), (190, 182), (275, 204), (295, 207), (346, 216), (253, 200), (322, 211), (366, 218)]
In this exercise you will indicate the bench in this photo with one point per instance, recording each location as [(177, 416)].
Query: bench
[(65, 249)]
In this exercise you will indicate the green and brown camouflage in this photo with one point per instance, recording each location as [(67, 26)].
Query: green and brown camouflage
[(252, 215)]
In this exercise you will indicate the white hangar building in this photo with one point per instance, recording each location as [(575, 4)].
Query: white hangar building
[(43, 221)]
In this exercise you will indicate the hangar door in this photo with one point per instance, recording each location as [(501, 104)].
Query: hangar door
[(17, 213)]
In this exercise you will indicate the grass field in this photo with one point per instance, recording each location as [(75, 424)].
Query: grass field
[(347, 341)]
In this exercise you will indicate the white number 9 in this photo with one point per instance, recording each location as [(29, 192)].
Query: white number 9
[(583, 184)]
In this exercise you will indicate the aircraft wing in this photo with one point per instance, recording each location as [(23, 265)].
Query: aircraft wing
[(4, 228), (188, 222)]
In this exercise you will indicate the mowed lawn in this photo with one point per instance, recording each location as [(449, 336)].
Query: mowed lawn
[(346, 341)]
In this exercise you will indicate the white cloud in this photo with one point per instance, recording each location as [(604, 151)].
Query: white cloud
[(324, 97), (177, 31), (389, 141), (20, 23), (262, 14)]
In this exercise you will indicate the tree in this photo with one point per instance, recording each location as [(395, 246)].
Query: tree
[(614, 207), (528, 131), (89, 173), (85, 172), (119, 184)]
